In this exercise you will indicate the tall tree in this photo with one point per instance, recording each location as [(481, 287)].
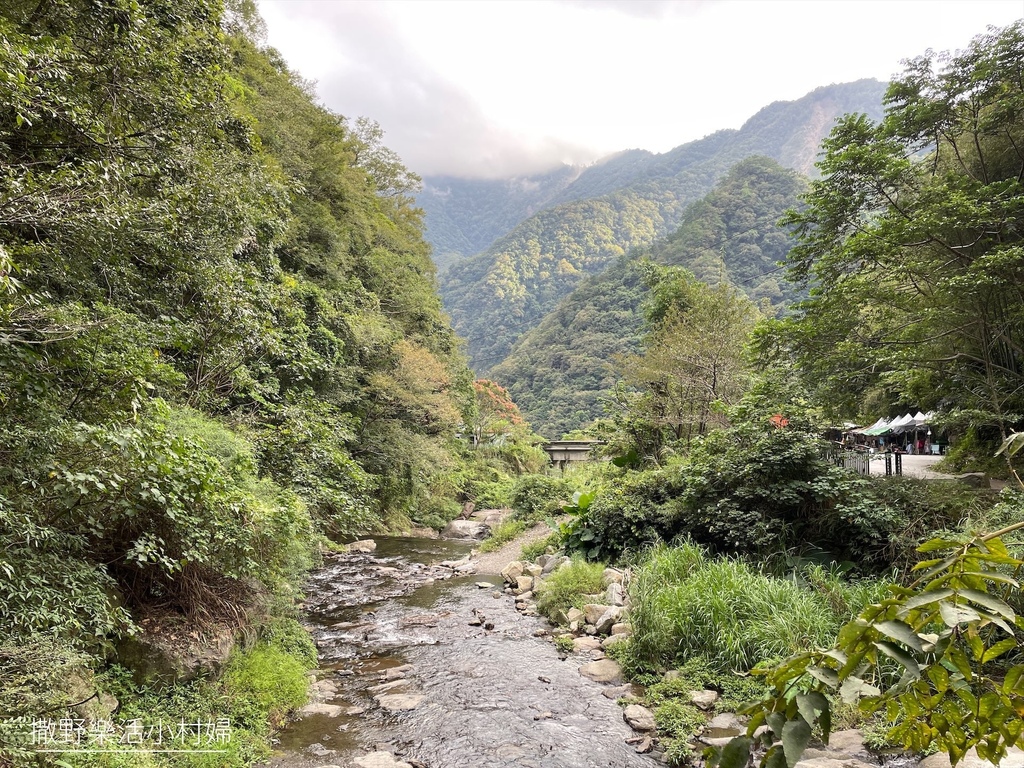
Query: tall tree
[(912, 241)]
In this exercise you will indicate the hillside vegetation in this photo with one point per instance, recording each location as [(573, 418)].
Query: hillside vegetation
[(562, 373), (498, 295)]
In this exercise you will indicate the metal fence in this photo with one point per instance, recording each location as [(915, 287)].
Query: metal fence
[(860, 461)]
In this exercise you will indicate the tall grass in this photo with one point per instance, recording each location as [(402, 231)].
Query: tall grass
[(568, 587), (687, 604)]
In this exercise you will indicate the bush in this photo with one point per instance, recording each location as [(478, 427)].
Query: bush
[(502, 534), (537, 496), (568, 586), (535, 549)]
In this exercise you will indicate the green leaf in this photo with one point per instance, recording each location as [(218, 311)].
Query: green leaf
[(827, 676), (999, 649), (902, 632), (925, 598), (953, 615), (736, 753), (854, 688), (933, 545), (795, 736), (907, 661), (989, 603), (1012, 683)]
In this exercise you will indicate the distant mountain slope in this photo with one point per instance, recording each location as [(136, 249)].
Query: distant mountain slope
[(559, 371), (498, 295)]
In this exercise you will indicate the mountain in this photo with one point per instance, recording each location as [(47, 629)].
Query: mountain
[(496, 296), (559, 372)]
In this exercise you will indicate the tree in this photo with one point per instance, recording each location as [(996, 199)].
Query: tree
[(912, 246), (496, 414)]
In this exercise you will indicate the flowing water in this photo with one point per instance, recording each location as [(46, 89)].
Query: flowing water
[(493, 693)]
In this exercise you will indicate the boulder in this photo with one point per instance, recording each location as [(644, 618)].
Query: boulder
[(638, 718), (555, 562), (366, 546), (466, 529), (612, 640), (726, 721), (849, 742), (611, 576), (575, 614), (703, 699), (586, 644), (512, 571), (524, 584), (622, 629), (173, 655), (603, 671), (604, 624), (330, 710), (614, 595), (594, 611), (533, 570)]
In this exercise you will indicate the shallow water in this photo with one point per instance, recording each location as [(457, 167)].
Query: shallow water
[(495, 696)]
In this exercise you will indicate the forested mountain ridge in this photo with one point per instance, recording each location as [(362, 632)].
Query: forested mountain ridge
[(560, 372), (496, 296)]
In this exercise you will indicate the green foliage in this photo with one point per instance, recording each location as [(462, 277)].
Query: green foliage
[(265, 683), (535, 497), (908, 244), (686, 605), (568, 587), (502, 534), (931, 658), (535, 549)]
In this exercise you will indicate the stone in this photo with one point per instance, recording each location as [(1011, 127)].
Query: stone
[(466, 529), (543, 560), (618, 691), (604, 624), (832, 762), (330, 710), (614, 595), (533, 570), (611, 576), (726, 721), (622, 629), (167, 656), (850, 742), (556, 562), (603, 671), (612, 640), (586, 644), (512, 571), (645, 746), (524, 584), (484, 585), (379, 760), (973, 479), (398, 702), (524, 596), (574, 626), (639, 718), (366, 546), (396, 673), (319, 750), (594, 611), (388, 686), (575, 614), (703, 699)]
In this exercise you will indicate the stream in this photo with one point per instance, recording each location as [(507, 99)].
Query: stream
[(485, 689)]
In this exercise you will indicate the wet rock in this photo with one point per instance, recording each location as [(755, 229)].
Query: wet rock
[(611, 576), (388, 686), (484, 585), (512, 571), (353, 711), (614, 595), (330, 710), (645, 746), (366, 546), (594, 611), (398, 702), (524, 597), (638, 718), (603, 671), (319, 750), (604, 624), (543, 716), (703, 699), (586, 644), (466, 529), (453, 564), (379, 760), (396, 673)]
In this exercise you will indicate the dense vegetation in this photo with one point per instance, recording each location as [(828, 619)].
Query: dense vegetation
[(497, 296), (220, 343), (562, 373)]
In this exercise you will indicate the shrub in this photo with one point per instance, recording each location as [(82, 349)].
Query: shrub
[(537, 496), (535, 549), (568, 586), (502, 534)]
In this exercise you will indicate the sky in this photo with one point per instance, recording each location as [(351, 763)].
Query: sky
[(498, 88)]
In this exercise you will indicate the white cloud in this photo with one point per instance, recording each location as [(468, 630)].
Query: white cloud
[(498, 87)]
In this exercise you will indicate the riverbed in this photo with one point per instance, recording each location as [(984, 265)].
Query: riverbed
[(486, 684)]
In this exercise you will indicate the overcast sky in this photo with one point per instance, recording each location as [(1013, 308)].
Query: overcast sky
[(503, 87)]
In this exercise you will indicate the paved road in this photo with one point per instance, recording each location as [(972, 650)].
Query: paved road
[(921, 466)]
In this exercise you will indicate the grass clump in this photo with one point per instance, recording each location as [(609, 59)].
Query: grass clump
[(535, 549), (687, 604), (502, 534), (568, 587)]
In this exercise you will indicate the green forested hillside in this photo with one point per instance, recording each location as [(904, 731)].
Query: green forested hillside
[(559, 372), (219, 332), (496, 296)]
